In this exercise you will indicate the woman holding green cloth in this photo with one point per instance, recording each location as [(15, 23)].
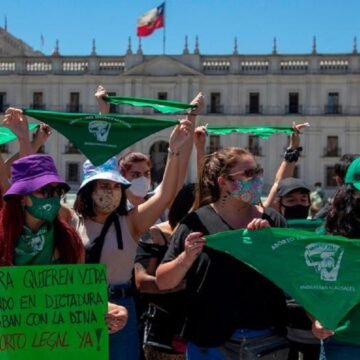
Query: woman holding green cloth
[(343, 219), (31, 230), (110, 232)]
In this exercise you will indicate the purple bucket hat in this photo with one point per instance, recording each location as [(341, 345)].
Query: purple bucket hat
[(32, 172), (106, 171)]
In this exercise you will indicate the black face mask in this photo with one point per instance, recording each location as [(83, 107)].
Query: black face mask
[(296, 212)]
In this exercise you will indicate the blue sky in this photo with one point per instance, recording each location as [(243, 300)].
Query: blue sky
[(217, 22)]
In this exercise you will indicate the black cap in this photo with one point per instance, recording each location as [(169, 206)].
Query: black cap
[(290, 184)]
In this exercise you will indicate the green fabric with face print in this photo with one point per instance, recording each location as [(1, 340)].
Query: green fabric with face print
[(98, 136), (321, 272), (262, 131), (6, 135), (35, 248), (164, 106)]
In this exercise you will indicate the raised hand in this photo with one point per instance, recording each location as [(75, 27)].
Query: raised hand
[(295, 136), (199, 101), (41, 136), (200, 137), (179, 135), (17, 122), (104, 107)]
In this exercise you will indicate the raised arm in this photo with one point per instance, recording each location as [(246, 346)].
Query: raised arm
[(41, 136), (199, 141), (144, 215), (287, 166), (188, 146), (17, 122), (104, 107)]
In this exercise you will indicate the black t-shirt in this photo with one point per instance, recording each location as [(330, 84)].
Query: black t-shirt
[(224, 294)]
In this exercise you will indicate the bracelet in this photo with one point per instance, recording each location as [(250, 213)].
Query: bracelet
[(292, 155), (171, 152)]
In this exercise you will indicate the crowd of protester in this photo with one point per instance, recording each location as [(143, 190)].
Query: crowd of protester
[(170, 295)]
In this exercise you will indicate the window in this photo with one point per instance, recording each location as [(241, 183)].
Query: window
[(330, 176), (332, 146), (293, 107), (4, 148), (333, 106), (70, 148), (254, 145), (254, 103), (38, 101), (214, 143), (72, 172), (158, 155), (114, 109), (162, 95), (74, 105), (215, 103), (3, 104)]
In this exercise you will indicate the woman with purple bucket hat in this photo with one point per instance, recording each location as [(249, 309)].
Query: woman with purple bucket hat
[(110, 232)]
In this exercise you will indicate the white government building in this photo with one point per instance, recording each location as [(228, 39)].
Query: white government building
[(271, 89)]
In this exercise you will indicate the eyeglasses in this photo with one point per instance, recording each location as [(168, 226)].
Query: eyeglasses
[(48, 191), (249, 173)]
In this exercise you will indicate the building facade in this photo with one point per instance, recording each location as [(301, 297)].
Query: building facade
[(271, 89)]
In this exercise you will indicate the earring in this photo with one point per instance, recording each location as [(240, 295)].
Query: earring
[(223, 200)]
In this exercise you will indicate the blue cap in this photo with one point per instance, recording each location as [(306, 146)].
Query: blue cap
[(106, 171)]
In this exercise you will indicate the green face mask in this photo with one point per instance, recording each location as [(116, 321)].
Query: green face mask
[(44, 208)]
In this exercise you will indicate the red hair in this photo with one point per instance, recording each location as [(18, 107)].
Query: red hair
[(125, 162), (12, 220)]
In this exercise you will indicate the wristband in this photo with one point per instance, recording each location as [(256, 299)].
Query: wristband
[(292, 155), (171, 152)]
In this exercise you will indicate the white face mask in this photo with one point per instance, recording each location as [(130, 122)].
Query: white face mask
[(140, 186)]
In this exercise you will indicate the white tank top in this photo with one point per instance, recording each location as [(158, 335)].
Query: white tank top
[(119, 263)]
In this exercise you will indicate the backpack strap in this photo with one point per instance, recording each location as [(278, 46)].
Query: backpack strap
[(94, 249)]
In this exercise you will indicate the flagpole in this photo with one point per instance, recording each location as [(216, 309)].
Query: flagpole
[(164, 34)]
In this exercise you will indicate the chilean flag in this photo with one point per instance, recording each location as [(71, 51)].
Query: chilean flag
[(150, 21)]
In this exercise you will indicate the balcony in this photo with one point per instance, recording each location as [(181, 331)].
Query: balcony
[(256, 150), (4, 148), (332, 152), (215, 109), (71, 149), (3, 107), (332, 109), (250, 109), (293, 109), (74, 108), (37, 106)]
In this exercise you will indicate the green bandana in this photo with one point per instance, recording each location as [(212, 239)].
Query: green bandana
[(99, 137), (316, 225), (321, 272), (262, 131), (35, 248), (164, 106), (6, 135)]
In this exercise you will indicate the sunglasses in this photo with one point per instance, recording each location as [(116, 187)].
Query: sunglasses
[(249, 173), (49, 191)]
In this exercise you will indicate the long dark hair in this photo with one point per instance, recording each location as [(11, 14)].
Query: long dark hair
[(84, 204), (344, 215), (12, 220), (214, 165)]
